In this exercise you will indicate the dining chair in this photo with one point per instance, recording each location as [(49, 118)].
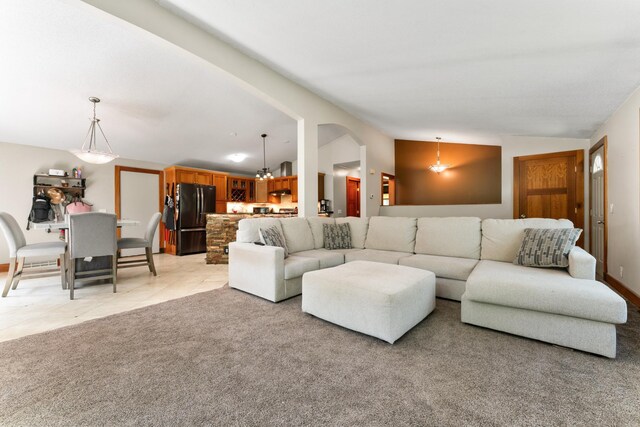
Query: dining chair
[(91, 234), (19, 250), (138, 243)]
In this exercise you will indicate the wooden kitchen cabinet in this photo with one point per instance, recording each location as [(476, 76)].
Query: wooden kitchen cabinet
[(262, 191), (185, 177), (320, 186), (204, 178), (293, 183), (220, 181), (241, 189)]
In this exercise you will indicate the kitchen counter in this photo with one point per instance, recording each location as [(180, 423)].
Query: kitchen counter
[(221, 229)]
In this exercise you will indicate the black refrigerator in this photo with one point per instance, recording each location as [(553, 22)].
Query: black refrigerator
[(194, 202)]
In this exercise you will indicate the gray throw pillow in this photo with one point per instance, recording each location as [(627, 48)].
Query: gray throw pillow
[(272, 236), (547, 247), (337, 236)]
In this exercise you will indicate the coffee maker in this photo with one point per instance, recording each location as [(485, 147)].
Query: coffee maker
[(325, 206)]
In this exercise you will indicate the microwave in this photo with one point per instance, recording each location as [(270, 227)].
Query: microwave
[(261, 210)]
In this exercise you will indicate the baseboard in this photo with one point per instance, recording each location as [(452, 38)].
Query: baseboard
[(622, 289)]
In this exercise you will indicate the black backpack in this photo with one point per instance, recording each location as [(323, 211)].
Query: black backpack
[(40, 210)]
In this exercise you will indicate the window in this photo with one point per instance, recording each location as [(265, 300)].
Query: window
[(597, 164)]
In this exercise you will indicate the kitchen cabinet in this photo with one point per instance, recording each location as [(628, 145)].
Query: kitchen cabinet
[(320, 186), (191, 176), (204, 178), (220, 181), (293, 181), (241, 190), (262, 191)]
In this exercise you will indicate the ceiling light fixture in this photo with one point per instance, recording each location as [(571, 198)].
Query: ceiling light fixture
[(265, 172), (437, 167), (90, 153), (237, 157)]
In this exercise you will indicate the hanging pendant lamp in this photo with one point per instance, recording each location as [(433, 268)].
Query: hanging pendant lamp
[(89, 151), (438, 167), (265, 172)]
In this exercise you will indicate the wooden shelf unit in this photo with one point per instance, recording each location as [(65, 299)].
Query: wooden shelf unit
[(76, 187)]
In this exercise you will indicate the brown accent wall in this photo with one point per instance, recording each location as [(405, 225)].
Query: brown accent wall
[(475, 175)]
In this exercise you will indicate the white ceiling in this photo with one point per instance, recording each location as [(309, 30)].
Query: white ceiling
[(159, 103), (461, 69)]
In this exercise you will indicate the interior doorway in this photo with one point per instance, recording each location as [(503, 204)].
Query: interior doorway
[(388, 191), (550, 186), (139, 194), (598, 205), (353, 196)]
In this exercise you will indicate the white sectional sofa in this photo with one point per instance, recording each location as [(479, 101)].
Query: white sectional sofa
[(472, 261)]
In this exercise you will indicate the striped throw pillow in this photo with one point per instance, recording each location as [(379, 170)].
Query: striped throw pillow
[(547, 247), (272, 236)]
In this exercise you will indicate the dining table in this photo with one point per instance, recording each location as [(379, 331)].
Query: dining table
[(64, 225), (93, 263)]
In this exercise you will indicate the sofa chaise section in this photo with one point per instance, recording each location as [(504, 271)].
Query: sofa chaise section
[(561, 306)]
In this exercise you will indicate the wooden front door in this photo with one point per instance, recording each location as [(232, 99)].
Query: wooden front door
[(550, 186), (353, 196)]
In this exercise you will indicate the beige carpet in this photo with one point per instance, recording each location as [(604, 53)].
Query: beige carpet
[(227, 358)]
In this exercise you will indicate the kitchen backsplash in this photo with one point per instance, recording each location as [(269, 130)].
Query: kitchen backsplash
[(285, 203)]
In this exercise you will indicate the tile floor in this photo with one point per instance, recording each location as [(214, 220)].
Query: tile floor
[(40, 305)]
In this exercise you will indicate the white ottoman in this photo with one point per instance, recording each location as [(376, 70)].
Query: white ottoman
[(381, 300)]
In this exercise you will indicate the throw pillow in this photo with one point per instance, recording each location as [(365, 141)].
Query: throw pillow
[(547, 247), (272, 236), (337, 236)]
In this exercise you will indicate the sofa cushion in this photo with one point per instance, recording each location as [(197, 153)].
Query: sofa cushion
[(545, 290), (296, 266), (501, 238), (358, 227), (249, 228), (337, 236), (298, 234), (316, 223), (452, 237), (547, 247), (443, 266), (327, 258), (391, 234), (346, 251), (386, 257)]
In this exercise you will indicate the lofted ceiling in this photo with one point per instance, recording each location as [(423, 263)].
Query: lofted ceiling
[(461, 69), (159, 103)]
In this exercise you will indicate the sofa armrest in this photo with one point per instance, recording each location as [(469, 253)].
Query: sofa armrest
[(256, 269), (582, 265)]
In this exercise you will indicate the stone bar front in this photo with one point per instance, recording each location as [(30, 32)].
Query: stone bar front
[(221, 229)]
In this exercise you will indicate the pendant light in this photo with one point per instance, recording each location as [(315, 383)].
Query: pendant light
[(265, 172), (89, 151), (437, 167)]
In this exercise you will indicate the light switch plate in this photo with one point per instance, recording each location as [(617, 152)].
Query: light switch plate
[(611, 208)]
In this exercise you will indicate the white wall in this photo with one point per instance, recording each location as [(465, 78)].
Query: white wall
[(18, 164), (340, 150), (623, 191), (512, 146), (343, 149), (339, 180)]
